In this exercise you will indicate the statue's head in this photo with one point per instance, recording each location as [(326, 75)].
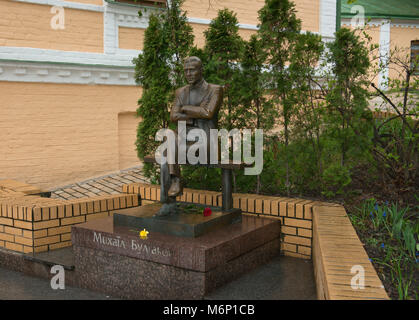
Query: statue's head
[(193, 70)]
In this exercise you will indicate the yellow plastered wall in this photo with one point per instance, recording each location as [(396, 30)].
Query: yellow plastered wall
[(401, 38), (127, 135), (246, 33), (131, 38), (374, 33), (309, 13), (198, 31), (29, 25), (54, 134), (247, 10)]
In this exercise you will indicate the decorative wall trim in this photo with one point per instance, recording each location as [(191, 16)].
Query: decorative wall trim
[(122, 58), (115, 16), (385, 39), (401, 24), (378, 22), (384, 53), (208, 21), (372, 22), (69, 74), (65, 4), (327, 18)]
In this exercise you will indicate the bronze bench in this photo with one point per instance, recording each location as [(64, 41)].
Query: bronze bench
[(226, 173)]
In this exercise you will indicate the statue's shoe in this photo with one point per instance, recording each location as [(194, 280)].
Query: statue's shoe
[(175, 188)]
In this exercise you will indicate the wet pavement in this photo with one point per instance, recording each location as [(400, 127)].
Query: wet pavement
[(17, 286), (283, 278)]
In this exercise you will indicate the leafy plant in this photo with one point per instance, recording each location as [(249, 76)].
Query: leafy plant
[(222, 49), (396, 138), (279, 30), (395, 228), (159, 70), (346, 97), (335, 179)]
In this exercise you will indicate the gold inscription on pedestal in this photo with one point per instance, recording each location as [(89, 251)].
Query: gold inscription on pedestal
[(134, 245)]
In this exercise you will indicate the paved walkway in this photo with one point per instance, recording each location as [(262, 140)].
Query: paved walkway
[(18, 286), (283, 278), (103, 185)]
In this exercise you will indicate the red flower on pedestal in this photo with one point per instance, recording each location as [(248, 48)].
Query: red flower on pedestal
[(207, 212)]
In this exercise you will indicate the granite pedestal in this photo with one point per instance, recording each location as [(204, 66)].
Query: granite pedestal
[(115, 260), (181, 224)]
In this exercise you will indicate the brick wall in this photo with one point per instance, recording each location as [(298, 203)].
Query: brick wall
[(29, 25), (295, 214), (31, 224), (55, 134), (127, 136), (336, 250), (247, 10), (131, 38), (310, 229), (314, 230)]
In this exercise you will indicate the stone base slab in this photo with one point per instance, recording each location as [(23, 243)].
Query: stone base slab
[(180, 224), (116, 261)]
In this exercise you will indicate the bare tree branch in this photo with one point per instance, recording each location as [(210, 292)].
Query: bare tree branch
[(394, 107)]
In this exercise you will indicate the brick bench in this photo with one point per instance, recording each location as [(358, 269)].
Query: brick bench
[(31, 224), (226, 178), (336, 250), (295, 214), (315, 230)]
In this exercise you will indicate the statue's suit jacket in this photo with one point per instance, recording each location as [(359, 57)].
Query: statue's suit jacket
[(205, 115)]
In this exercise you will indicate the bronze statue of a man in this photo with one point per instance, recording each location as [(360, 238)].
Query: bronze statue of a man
[(198, 104)]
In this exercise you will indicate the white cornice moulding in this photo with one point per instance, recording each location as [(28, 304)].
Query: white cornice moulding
[(372, 22), (385, 38), (402, 24), (65, 4), (121, 58), (208, 21), (65, 74), (327, 16), (115, 16)]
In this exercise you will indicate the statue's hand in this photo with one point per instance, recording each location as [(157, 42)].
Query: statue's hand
[(184, 109)]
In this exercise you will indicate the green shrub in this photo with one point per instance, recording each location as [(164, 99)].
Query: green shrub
[(335, 179)]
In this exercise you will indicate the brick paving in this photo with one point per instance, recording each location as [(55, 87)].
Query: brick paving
[(106, 184)]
